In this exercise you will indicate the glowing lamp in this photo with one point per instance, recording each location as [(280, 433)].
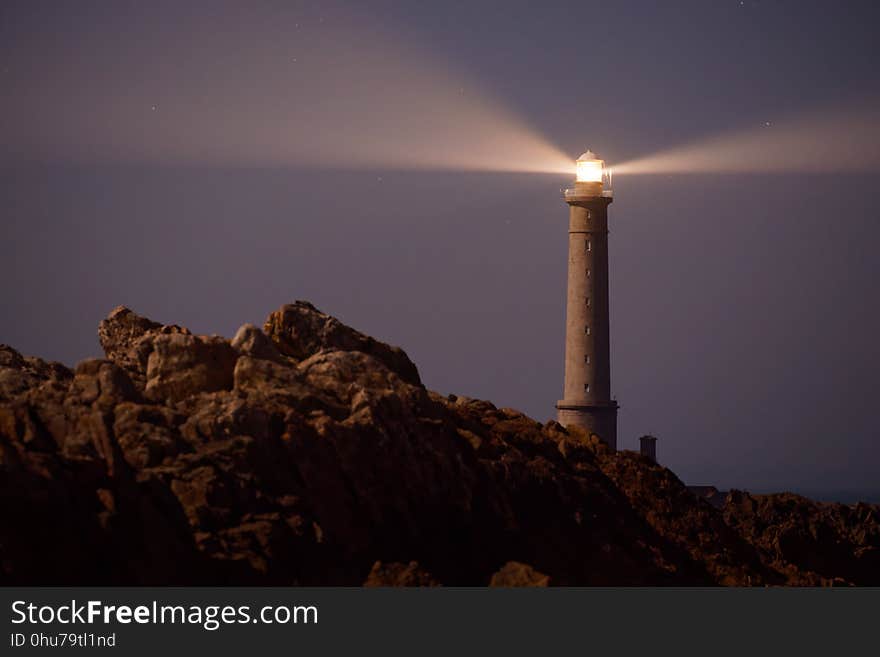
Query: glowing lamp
[(590, 168)]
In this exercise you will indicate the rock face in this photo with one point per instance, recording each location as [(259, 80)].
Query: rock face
[(515, 574), (300, 330), (399, 574), (813, 543), (309, 453)]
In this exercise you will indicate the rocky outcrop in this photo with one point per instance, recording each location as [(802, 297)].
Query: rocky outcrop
[(399, 574), (309, 453), (182, 365), (515, 574), (811, 543), (689, 523), (300, 330), (19, 374), (127, 340), (251, 341)]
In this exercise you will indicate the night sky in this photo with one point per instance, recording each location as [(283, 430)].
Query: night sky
[(204, 163)]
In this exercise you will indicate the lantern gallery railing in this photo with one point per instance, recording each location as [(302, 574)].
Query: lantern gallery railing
[(566, 193)]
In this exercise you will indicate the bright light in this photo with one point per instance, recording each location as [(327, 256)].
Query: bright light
[(589, 168)]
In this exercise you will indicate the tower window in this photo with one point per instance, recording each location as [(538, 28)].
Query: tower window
[(587, 330), (589, 245), (589, 273), (587, 359), (589, 214), (586, 387), (588, 302)]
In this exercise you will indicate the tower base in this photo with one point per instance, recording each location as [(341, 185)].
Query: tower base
[(600, 419)]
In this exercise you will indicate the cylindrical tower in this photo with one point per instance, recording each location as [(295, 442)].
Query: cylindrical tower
[(587, 401)]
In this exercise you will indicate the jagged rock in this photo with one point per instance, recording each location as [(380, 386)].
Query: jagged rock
[(102, 382), (813, 543), (181, 365), (18, 373), (313, 455), (515, 574), (399, 574), (10, 358), (711, 494), (708, 545), (127, 340), (300, 330), (251, 341), (147, 435)]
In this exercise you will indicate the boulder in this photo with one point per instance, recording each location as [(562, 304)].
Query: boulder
[(102, 382), (516, 574), (18, 373), (251, 341), (399, 575), (182, 364), (300, 330), (127, 340)]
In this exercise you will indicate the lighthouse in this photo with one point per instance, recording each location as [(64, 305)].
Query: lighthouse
[(587, 401)]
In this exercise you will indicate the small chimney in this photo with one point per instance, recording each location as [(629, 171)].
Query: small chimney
[(648, 447)]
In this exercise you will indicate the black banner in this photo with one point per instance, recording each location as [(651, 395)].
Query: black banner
[(235, 621)]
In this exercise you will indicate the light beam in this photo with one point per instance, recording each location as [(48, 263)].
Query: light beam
[(836, 140)]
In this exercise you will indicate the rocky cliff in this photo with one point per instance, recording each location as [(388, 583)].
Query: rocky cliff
[(309, 453)]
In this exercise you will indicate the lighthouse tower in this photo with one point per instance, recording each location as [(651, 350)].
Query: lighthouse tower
[(587, 401)]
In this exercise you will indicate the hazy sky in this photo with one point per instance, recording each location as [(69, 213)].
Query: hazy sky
[(399, 165)]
